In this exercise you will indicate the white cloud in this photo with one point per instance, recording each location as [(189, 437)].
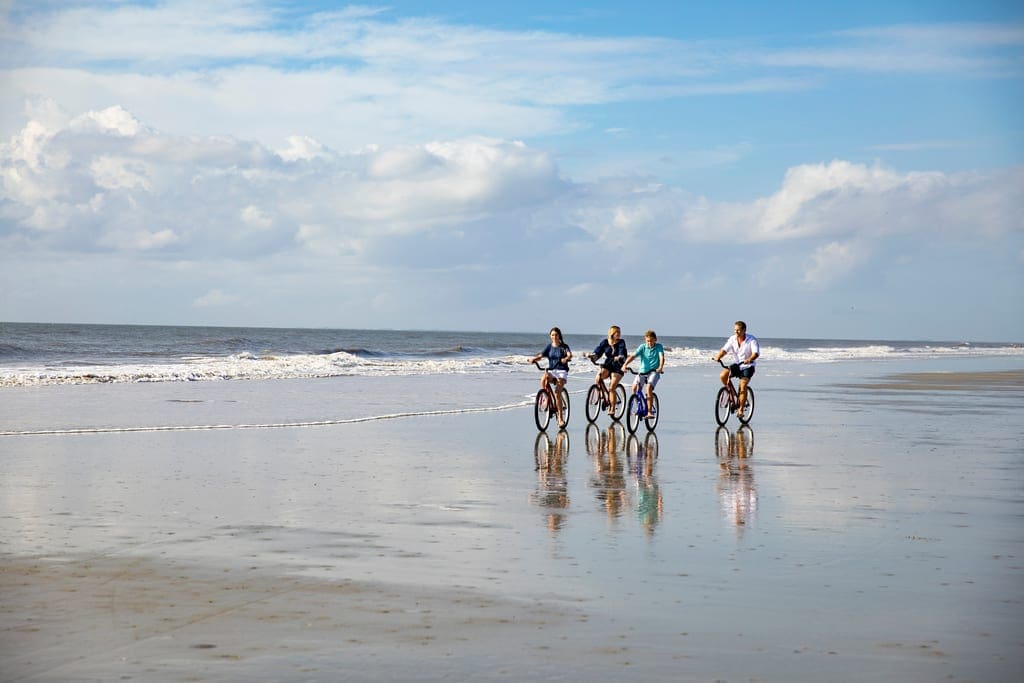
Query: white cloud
[(833, 262), (215, 298), (475, 222), (842, 198)]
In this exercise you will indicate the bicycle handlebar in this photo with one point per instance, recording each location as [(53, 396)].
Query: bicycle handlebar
[(537, 363)]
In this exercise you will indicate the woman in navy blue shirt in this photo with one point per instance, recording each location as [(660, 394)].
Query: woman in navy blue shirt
[(558, 354), (613, 351)]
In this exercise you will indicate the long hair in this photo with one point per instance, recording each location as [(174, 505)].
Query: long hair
[(557, 331)]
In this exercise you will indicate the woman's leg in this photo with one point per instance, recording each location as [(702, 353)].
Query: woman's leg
[(559, 383), (616, 378)]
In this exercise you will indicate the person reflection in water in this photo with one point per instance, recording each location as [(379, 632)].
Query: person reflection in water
[(736, 489), (605, 448), (649, 502), (552, 492)]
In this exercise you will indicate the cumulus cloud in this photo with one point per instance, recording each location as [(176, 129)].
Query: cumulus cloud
[(105, 181), (832, 262), (840, 198), (215, 298)]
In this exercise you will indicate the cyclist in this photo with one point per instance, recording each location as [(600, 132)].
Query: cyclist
[(652, 364), (746, 349), (613, 349), (558, 354)]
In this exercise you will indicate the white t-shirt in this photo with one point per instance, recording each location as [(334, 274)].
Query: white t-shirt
[(742, 351)]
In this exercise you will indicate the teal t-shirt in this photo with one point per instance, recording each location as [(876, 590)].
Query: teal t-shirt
[(650, 356)]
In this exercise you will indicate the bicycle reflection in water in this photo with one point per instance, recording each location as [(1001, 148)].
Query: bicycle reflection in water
[(607, 450), (736, 489), (619, 460), (552, 493), (649, 502)]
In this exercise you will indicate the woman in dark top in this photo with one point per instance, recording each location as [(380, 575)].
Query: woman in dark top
[(613, 351), (558, 354)]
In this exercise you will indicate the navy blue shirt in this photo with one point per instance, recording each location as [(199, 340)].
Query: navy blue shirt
[(556, 356), (613, 355)]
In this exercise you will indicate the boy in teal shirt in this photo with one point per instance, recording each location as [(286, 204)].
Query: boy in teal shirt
[(652, 363)]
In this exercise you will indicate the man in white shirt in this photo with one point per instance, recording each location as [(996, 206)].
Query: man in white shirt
[(746, 350)]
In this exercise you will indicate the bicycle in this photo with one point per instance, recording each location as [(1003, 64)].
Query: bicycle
[(545, 406), (598, 399), (728, 402), (638, 409)]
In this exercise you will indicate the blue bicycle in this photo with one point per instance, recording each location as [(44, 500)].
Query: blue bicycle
[(638, 409)]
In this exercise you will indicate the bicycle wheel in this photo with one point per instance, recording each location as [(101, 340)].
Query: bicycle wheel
[(541, 449), (565, 407), (633, 414), (722, 406), (593, 403), (541, 412), (748, 409), (633, 450), (722, 439), (593, 440), (651, 445), (652, 413), (620, 403)]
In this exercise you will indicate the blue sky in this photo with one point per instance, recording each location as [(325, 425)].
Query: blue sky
[(840, 170)]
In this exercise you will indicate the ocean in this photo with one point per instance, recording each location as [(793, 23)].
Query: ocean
[(34, 354)]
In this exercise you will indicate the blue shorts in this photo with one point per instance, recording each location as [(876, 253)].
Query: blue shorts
[(746, 373)]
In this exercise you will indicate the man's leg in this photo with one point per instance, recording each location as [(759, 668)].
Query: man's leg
[(743, 394)]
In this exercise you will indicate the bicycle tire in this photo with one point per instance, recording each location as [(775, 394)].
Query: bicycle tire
[(632, 447), (722, 406), (593, 406), (566, 407), (653, 412), (748, 411), (620, 403), (722, 441), (541, 449), (593, 438), (541, 411), (633, 414), (651, 445)]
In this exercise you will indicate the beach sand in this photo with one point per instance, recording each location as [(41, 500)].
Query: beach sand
[(867, 527)]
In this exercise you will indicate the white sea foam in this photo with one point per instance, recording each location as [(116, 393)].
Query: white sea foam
[(253, 366)]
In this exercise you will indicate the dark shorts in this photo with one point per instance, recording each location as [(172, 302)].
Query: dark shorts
[(614, 368), (734, 371)]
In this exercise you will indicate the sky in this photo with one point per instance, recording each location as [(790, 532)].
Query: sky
[(820, 170)]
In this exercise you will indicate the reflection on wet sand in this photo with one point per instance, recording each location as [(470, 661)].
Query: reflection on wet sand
[(616, 457), (552, 493), (606, 449), (649, 501), (736, 489)]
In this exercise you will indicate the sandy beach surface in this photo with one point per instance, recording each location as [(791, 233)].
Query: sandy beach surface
[(866, 527)]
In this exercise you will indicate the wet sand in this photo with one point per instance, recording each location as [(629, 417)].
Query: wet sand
[(867, 527)]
